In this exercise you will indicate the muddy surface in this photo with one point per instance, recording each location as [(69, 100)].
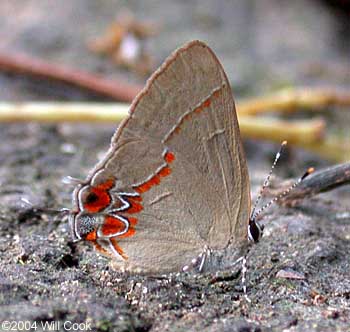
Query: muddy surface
[(45, 278)]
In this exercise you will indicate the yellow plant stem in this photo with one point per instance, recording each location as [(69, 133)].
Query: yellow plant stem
[(308, 134), (295, 132), (293, 99), (305, 131), (63, 112)]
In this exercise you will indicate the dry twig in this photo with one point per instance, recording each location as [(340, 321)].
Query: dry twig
[(21, 64), (318, 182)]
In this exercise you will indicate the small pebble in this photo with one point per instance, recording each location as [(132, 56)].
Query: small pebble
[(290, 274)]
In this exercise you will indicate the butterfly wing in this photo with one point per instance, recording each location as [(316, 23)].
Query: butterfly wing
[(180, 175)]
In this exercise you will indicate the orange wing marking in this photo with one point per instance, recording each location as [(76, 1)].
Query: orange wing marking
[(98, 197), (169, 157), (113, 225), (198, 109)]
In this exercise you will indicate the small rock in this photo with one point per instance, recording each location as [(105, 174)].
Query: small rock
[(290, 274)]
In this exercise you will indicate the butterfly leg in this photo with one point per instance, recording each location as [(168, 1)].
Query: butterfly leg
[(198, 261), (203, 256), (243, 261), (244, 277)]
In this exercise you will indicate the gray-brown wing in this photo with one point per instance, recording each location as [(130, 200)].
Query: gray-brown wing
[(181, 145)]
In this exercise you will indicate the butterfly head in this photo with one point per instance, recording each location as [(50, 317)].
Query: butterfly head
[(255, 230)]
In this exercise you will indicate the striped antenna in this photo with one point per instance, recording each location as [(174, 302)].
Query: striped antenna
[(253, 215), (286, 192)]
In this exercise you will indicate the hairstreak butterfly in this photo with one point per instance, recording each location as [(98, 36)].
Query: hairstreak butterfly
[(174, 184)]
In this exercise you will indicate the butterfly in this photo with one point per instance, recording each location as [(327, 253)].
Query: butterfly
[(173, 189)]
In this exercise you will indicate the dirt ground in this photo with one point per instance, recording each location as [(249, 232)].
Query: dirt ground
[(44, 277)]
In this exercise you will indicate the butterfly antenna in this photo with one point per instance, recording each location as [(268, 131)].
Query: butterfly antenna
[(253, 215), (286, 192)]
